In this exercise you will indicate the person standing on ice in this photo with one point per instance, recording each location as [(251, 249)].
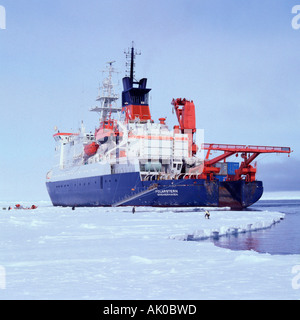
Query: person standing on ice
[(133, 210), (207, 214)]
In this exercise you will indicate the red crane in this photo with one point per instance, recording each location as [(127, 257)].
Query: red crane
[(185, 111), (248, 153)]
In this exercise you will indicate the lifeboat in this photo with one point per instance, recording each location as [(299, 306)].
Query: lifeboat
[(107, 129), (91, 149)]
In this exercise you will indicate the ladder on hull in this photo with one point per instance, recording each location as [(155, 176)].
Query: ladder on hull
[(135, 196)]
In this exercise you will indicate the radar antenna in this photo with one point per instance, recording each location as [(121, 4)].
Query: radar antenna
[(107, 95)]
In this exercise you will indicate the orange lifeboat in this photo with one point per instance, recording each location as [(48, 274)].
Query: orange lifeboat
[(91, 149), (107, 128)]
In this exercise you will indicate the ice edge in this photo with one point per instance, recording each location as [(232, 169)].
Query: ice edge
[(215, 233)]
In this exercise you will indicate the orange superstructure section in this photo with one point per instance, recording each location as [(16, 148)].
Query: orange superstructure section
[(141, 112)]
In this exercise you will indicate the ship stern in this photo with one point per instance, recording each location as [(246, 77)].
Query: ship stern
[(239, 194)]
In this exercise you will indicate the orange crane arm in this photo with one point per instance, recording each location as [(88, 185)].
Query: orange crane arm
[(248, 153)]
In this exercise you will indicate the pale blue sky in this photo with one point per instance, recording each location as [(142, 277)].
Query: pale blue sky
[(238, 60)]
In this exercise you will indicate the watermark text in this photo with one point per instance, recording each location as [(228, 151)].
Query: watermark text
[(296, 278), (2, 18), (2, 278), (296, 19)]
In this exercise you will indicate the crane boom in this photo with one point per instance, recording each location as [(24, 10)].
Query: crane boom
[(248, 153)]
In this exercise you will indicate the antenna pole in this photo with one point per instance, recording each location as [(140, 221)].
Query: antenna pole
[(131, 54), (132, 62)]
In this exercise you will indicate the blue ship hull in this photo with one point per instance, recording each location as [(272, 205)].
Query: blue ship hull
[(127, 189)]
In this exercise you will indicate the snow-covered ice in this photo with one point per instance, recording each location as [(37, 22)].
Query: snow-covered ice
[(110, 253)]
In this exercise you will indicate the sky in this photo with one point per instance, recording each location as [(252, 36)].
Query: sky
[(237, 60)]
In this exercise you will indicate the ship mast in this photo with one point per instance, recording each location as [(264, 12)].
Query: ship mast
[(130, 56), (107, 95)]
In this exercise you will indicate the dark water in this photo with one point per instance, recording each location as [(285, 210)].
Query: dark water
[(281, 238)]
